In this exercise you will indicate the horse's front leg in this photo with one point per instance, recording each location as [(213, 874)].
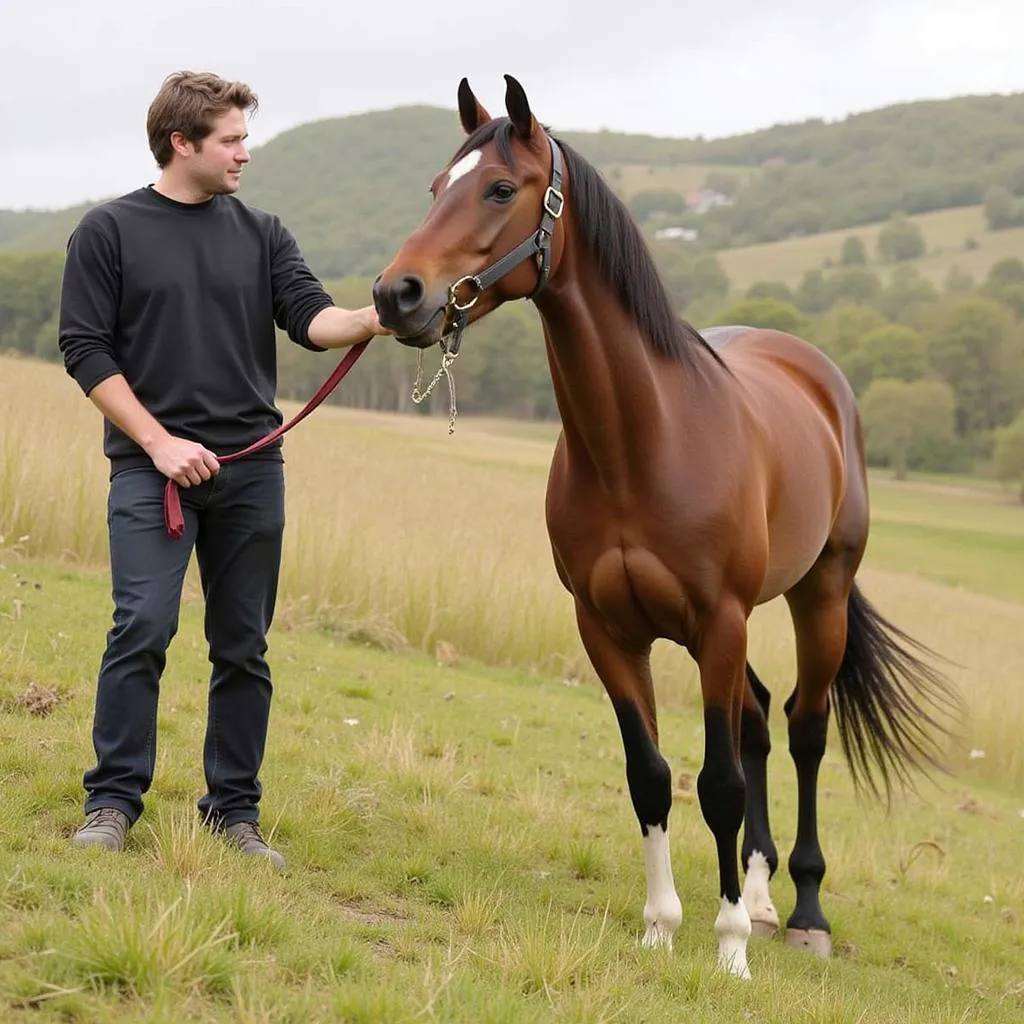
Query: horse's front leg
[(721, 654), (626, 675)]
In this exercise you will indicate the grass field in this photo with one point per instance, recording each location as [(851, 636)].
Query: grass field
[(447, 781), (629, 179), (945, 232)]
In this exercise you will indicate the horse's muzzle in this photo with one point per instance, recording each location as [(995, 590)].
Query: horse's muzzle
[(404, 307)]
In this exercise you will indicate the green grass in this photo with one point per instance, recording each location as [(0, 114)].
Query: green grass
[(464, 852), (964, 535), (945, 232), (958, 557)]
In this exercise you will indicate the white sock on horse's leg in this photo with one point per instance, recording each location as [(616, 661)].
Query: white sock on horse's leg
[(663, 913)]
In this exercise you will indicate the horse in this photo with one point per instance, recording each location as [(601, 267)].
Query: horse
[(696, 475)]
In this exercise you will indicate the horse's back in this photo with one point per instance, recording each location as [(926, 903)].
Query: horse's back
[(773, 365)]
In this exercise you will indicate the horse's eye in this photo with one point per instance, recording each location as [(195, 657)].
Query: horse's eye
[(501, 191)]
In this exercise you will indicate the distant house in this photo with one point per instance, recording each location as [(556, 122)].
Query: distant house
[(704, 199), (677, 233)]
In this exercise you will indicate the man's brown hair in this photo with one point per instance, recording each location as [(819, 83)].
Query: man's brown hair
[(189, 102)]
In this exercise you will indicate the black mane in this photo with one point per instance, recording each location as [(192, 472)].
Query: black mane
[(612, 237)]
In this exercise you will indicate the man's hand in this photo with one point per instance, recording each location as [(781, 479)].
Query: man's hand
[(184, 462), (373, 324)]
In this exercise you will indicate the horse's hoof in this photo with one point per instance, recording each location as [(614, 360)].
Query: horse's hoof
[(736, 965), (814, 940), (763, 929), (657, 938)]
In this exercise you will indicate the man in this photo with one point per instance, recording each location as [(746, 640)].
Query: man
[(169, 300)]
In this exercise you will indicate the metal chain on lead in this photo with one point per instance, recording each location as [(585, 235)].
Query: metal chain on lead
[(447, 358), (448, 355)]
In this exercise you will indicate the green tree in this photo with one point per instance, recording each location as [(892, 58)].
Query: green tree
[(853, 252), (976, 349), (958, 281), (900, 239), (906, 293), (812, 293), (1008, 270), (842, 328), (765, 312), (901, 419), (29, 297), (690, 276), (1009, 453), (1000, 208), (853, 284), (1005, 283), (890, 351), (513, 377), (46, 345), (771, 290)]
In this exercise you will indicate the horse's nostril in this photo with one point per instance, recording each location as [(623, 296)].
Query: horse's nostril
[(399, 299), (409, 293)]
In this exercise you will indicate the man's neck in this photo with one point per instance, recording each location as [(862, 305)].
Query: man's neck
[(181, 191)]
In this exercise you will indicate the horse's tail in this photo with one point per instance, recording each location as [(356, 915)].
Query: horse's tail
[(889, 702)]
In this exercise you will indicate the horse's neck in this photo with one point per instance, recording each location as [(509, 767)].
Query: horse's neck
[(608, 383)]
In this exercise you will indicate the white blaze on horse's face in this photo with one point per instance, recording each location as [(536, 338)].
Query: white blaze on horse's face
[(463, 167)]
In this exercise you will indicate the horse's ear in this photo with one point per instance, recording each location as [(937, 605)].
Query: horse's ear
[(471, 113), (518, 107)]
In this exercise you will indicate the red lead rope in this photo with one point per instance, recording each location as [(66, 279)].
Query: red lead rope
[(174, 520)]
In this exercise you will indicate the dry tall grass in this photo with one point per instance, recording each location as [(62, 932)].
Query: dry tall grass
[(405, 536)]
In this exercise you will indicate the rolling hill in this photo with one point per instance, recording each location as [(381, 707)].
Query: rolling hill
[(350, 188)]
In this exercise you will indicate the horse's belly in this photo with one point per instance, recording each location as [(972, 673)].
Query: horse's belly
[(794, 543), (786, 574)]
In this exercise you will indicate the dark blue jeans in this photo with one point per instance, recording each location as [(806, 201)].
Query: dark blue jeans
[(235, 523)]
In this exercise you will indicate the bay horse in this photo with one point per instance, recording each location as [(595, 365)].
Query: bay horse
[(695, 477)]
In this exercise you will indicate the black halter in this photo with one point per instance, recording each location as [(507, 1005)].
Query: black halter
[(538, 244)]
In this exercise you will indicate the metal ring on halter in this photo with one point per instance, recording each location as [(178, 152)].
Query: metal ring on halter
[(453, 289)]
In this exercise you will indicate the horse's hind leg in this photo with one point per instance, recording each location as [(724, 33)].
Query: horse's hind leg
[(818, 607), (759, 856), (626, 676)]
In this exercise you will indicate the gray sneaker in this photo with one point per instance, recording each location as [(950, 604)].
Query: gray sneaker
[(106, 827), (247, 837)]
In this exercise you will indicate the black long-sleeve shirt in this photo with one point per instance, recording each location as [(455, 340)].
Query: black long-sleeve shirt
[(182, 299)]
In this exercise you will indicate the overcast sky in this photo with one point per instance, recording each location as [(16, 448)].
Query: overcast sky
[(76, 77)]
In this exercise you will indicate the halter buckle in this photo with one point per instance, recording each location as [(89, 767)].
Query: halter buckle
[(554, 202)]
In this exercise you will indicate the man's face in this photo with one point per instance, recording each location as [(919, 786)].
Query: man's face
[(215, 165)]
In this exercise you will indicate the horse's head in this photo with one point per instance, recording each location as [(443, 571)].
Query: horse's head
[(489, 235)]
